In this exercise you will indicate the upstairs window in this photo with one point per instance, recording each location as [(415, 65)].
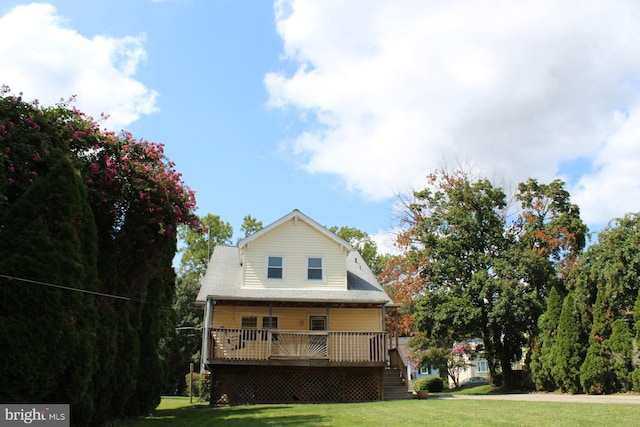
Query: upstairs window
[(274, 267), (314, 269)]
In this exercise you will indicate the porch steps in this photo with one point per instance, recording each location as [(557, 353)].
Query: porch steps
[(394, 387)]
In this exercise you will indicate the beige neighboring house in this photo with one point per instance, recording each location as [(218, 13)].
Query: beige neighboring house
[(293, 313), (477, 367)]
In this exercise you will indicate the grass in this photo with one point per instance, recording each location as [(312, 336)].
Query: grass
[(480, 389), (177, 412)]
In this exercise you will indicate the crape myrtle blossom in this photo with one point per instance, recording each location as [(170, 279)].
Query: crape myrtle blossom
[(454, 360), (124, 176)]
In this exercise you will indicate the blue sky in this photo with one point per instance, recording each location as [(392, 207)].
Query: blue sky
[(335, 107)]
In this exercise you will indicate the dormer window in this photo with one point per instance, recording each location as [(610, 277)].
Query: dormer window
[(314, 269), (274, 267)]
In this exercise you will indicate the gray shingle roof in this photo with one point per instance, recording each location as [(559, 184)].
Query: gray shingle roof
[(223, 281)]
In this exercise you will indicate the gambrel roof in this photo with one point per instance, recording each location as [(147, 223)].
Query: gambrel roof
[(224, 276)]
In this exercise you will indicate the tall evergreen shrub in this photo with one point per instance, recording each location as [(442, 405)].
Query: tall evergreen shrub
[(596, 373), (541, 359), (49, 350), (567, 351)]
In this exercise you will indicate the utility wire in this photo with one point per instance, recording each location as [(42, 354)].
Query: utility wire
[(68, 288)]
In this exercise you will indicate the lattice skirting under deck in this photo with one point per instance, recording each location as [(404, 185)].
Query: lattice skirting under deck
[(238, 385)]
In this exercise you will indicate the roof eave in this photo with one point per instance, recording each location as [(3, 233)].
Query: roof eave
[(297, 300)]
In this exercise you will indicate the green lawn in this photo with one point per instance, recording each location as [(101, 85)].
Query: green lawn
[(176, 411)]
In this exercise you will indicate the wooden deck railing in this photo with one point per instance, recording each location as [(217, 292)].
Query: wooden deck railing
[(263, 344)]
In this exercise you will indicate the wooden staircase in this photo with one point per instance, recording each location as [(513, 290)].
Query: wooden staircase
[(394, 387)]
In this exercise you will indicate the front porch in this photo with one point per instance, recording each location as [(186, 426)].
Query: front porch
[(296, 348)]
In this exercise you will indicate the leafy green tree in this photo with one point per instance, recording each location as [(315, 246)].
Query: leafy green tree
[(250, 225), (567, 351), (426, 352), (482, 276), (551, 224), (361, 242), (199, 243), (460, 225), (613, 265), (551, 236)]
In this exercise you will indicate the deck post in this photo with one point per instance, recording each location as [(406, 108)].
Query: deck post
[(207, 334)]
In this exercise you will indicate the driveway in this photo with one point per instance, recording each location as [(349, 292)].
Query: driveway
[(551, 397)]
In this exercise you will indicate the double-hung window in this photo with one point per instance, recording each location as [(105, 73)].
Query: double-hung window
[(314, 269), (275, 266)]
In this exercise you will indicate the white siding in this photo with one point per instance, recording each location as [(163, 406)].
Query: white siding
[(295, 241)]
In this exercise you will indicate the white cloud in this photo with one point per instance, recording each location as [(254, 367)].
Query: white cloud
[(393, 89), (614, 184), (385, 241), (51, 61)]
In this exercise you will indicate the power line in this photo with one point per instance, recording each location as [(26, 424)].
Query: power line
[(68, 288)]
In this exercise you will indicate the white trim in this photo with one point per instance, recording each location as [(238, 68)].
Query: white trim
[(322, 269), (266, 273), (319, 316), (207, 326)]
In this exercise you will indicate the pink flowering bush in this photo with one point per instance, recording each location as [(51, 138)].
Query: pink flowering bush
[(458, 361), (124, 176), (453, 360), (137, 201), (416, 357)]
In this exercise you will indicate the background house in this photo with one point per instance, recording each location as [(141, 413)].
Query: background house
[(415, 372), (476, 365), (293, 313)]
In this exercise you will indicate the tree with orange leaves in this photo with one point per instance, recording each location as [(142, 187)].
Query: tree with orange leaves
[(550, 224), (467, 270)]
